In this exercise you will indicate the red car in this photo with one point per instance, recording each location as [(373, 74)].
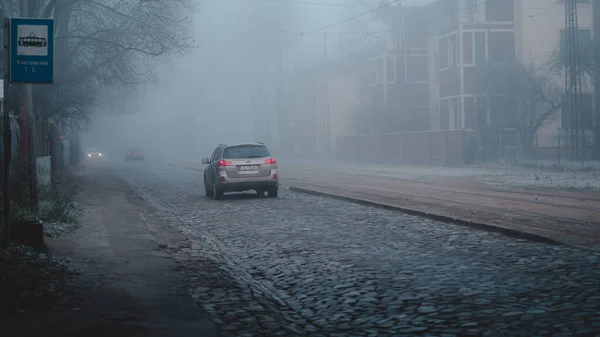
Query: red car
[(134, 153)]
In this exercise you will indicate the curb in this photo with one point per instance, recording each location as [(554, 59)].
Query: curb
[(184, 167), (192, 168), (515, 233)]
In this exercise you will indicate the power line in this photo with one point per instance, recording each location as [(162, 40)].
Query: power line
[(392, 2), (455, 12), (352, 18), (315, 3), (367, 33), (327, 33)]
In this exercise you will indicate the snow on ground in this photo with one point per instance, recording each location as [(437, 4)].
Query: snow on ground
[(542, 175), (507, 176)]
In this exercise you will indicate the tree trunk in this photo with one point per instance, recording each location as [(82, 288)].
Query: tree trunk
[(527, 145)]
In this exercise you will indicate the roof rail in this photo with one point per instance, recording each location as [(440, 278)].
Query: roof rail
[(261, 143), (222, 145)]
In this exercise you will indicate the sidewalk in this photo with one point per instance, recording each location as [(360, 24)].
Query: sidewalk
[(510, 200), (125, 285)]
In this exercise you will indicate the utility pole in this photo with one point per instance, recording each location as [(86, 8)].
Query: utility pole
[(7, 137), (573, 80), (596, 74), (326, 82), (27, 99)]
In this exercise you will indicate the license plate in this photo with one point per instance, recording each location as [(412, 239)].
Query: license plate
[(249, 168)]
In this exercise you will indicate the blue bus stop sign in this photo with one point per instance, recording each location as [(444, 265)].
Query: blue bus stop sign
[(31, 50)]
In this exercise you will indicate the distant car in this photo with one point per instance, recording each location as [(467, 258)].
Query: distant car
[(238, 168), (134, 153), (92, 154)]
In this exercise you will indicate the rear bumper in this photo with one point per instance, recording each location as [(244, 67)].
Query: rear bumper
[(245, 184)]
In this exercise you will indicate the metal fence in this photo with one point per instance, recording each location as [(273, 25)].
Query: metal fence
[(447, 147), (559, 154)]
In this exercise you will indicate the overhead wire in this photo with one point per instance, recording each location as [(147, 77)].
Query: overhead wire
[(366, 33), (352, 17), (315, 3), (387, 30)]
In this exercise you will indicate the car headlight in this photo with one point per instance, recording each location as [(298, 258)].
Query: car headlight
[(100, 154), (89, 154)]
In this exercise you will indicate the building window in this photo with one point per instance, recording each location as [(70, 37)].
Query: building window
[(380, 70), (468, 48), (436, 67), (585, 46), (443, 55), (390, 67), (453, 114), (480, 48), (501, 47), (470, 119), (377, 71), (417, 69), (452, 51), (500, 11), (444, 115), (481, 112), (471, 9)]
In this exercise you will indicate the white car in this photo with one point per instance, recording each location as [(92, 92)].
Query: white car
[(92, 154)]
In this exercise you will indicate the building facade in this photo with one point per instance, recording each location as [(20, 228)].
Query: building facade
[(468, 41), (399, 82)]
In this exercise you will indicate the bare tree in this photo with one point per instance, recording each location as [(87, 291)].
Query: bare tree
[(536, 92), (108, 43)]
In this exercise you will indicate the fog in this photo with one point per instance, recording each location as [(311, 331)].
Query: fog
[(211, 94)]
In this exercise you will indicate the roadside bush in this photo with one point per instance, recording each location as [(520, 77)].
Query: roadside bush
[(57, 206)]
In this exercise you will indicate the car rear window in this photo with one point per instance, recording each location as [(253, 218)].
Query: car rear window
[(246, 151)]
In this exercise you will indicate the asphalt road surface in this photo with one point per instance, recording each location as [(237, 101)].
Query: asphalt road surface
[(308, 265)]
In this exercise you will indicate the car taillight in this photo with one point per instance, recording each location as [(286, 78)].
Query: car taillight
[(128, 152), (222, 179), (270, 161), (140, 152), (224, 163)]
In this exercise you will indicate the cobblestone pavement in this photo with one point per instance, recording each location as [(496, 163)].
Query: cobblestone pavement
[(340, 269)]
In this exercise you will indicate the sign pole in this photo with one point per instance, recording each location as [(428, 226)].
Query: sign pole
[(7, 136), (29, 59)]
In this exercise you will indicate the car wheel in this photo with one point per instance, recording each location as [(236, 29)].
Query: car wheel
[(209, 192), (273, 192), (217, 193)]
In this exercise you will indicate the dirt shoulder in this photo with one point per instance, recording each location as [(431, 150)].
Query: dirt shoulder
[(569, 217), (125, 285)]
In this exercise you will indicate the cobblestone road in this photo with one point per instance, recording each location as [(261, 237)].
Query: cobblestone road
[(340, 269)]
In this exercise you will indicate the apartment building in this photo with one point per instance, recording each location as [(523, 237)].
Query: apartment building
[(399, 75), (470, 43)]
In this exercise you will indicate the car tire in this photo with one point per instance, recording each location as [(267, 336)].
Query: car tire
[(217, 192), (273, 192), (207, 190)]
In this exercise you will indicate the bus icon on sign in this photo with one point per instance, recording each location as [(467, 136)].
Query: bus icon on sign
[(32, 41)]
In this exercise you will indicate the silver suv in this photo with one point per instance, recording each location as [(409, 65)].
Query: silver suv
[(241, 167)]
